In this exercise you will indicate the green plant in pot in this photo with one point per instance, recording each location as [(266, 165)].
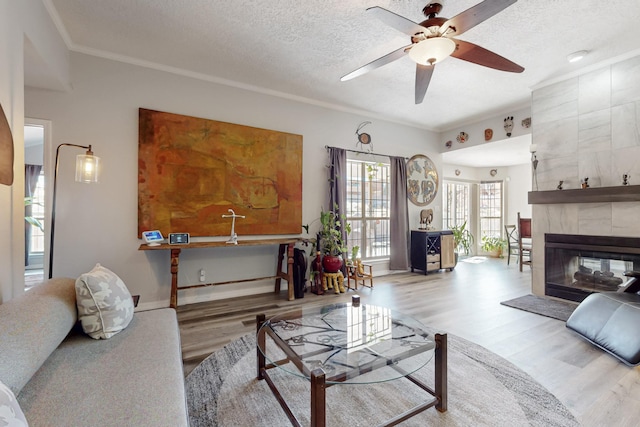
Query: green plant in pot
[(462, 238), (330, 240), (493, 245), (28, 201)]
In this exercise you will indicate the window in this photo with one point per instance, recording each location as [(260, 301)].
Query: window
[(37, 212), (491, 209), (368, 207), (456, 204)]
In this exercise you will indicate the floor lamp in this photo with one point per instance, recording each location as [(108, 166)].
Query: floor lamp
[(86, 171)]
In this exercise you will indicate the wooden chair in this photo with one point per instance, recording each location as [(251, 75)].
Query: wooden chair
[(524, 241), (512, 242), (360, 273)]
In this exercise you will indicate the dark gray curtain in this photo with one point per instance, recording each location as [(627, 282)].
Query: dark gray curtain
[(31, 174), (399, 227), (337, 184)]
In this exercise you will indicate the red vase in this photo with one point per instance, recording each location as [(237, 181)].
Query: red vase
[(331, 263)]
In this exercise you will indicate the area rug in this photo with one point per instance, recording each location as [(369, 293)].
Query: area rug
[(484, 390), (548, 307)]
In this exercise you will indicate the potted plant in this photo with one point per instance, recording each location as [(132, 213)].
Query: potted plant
[(462, 238), (330, 240), (28, 201), (493, 245)]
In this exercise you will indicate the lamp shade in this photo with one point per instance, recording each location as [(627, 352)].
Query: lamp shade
[(432, 50), (87, 166)]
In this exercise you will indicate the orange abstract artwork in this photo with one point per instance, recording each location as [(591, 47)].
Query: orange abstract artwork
[(191, 171)]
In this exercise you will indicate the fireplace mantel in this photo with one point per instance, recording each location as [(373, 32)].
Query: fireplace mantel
[(627, 193)]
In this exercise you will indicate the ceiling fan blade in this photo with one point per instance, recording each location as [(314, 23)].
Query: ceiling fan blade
[(478, 55), (389, 57), (473, 16), (423, 77), (396, 21)]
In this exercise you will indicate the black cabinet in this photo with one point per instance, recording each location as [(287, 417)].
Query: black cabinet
[(432, 250)]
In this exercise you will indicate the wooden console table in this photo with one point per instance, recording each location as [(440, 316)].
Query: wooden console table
[(283, 244)]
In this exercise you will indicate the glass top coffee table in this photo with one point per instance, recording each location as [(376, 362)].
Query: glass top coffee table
[(350, 343)]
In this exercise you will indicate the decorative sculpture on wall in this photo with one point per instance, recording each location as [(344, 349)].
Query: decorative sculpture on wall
[(422, 180), (462, 137), (508, 125), (526, 123), (364, 138), (488, 134)]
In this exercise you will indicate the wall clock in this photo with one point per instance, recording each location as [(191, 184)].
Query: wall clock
[(422, 180)]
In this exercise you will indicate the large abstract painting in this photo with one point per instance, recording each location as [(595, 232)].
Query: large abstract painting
[(191, 171)]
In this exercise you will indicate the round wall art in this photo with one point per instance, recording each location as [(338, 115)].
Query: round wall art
[(422, 180)]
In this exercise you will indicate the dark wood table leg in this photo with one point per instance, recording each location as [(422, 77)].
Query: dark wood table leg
[(279, 267), (175, 260), (290, 289), (261, 342), (441, 372), (285, 248), (318, 398)]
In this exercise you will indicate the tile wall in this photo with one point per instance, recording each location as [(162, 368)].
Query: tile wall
[(587, 126)]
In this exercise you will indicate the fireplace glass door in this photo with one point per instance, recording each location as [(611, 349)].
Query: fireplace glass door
[(575, 269)]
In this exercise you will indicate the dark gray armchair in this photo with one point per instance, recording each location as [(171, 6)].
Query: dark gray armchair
[(610, 320)]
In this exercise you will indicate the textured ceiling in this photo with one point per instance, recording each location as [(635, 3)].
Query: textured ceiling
[(301, 48)]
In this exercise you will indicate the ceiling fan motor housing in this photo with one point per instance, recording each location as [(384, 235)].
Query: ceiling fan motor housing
[(432, 9)]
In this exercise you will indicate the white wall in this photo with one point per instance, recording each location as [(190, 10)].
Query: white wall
[(476, 130), (518, 185), (21, 20), (98, 223)]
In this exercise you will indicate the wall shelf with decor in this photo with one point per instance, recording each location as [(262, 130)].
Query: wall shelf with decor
[(627, 193)]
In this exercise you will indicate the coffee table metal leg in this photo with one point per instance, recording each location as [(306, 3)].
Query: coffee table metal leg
[(262, 340), (318, 398), (441, 372)]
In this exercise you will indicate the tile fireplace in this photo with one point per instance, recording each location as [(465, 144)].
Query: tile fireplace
[(578, 265)]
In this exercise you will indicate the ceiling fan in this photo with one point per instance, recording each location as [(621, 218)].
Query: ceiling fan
[(432, 41)]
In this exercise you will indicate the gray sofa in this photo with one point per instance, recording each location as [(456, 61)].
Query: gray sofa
[(62, 377)]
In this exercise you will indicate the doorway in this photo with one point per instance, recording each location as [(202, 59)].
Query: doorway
[(35, 138)]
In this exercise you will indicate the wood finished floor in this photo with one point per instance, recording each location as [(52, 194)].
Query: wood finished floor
[(595, 387)]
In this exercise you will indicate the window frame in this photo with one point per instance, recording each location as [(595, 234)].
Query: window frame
[(374, 207), (459, 219), (494, 232)]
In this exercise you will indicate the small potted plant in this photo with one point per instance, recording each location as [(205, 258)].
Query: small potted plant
[(462, 238), (493, 245), (330, 240)]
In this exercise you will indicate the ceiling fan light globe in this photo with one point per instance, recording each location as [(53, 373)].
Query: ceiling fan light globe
[(432, 50)]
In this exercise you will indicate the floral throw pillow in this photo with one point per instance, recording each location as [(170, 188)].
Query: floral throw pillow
[(10, 413), (105, 306)]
